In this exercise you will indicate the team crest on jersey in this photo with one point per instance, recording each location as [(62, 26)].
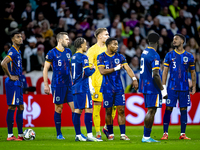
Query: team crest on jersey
[(85, 61), (10, 53), (185, 59), (117, 61), (68, 55)]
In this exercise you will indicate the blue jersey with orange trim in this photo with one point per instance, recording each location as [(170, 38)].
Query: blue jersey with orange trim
[(15, 66), (79, 64), (60, 61), (179, 63), (149, 61), (111, 82)]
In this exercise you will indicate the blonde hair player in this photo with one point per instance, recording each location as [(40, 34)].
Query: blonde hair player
[(101, 35)]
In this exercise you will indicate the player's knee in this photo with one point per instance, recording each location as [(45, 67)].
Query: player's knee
[(11, 107), (121, 111), (152, 111), (21, 107), (109, 112), (183, 108), (169, 108)]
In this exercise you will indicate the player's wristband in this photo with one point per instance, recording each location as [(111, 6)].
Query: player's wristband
[(118, 67), (134, 78)]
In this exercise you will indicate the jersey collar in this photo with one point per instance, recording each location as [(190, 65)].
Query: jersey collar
[(15, 48), (110, 55), (151, 48), (178, 52), (79, 52), (59, 49)]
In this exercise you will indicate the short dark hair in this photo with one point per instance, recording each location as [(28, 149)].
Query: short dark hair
[(109, 40), (181, 36), (78, 42), (60, 35), (13, 34)]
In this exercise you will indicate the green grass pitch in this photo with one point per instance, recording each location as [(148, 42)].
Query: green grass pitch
[(46, 139)]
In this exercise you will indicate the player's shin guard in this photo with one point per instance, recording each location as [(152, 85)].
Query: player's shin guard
[(96, 117), (10, 120), (110, 129), (147, 132), (57, 120), (88, 122), (122, 129), (166, 120), (183, 120), (19, 120), (77, 124)]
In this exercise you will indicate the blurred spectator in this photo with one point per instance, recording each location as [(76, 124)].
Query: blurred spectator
[(13, 27), (85, 10), (6, 47), (162, 48), (60, 11), (30, 50), (112, 29), (124, 10), (28, 14), (84, 23), (138, 52), (197, 63), (101, 5), (186, 13), (134, 65), (197, 18), (147, 3), (143, 28), (184, 32), (127, 32), (143, 44), (136, 37), (40, 18), (157, 27), (139, 8), (130, 51), (180, 20), (88, 36), (122, 50), (189, 27), (119, 37), (154, 9), (61, 26), (193, 45), (80, 2), (166, 39), (198, 36), (46, 30), (173, 30), (69, 20), (187, 48), (133, 20), (101, 21), (164, 18), (174, 9), (148, 21), (37, 61)]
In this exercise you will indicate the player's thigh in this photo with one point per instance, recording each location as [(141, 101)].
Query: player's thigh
[(97, 96), (172, 98), (108, 99), (153, 100), (59, 94), (82, 100), (184, 99), (12, 93), (119, 99)]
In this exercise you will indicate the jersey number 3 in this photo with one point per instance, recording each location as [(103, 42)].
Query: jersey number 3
[(142, 66)]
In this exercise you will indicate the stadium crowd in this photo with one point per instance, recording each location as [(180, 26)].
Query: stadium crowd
[(130, 21)]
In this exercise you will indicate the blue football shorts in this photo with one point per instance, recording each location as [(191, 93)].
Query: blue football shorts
[(110, 99), (82, 100), (153, 100)]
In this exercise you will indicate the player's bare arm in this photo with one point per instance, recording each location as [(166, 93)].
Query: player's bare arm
[(5, 68), (45, 77), (193, 75), (132, 75), (104, 71), (164, 75)]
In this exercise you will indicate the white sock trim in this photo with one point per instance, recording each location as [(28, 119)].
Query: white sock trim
[(146, 138), (98, 133), (111, 135), (165, 133), (90, 135), (10, 135), (122, 134), (20, 135), (182, 133)]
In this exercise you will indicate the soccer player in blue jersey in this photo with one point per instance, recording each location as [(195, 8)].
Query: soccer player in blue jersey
[(12, 66), (61, 84), (150, 84), (109, 64), (178, 62), (80, 89)]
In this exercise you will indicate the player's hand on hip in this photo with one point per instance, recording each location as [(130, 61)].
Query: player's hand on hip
[(135, 84), (193, 90), (164, 92), (47, 89), (14, 78)]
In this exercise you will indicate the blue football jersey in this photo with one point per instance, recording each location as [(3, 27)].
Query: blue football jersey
[(111, 82), (178, 64), (60, 61), (79, 64), (149, 61), (15, 66)]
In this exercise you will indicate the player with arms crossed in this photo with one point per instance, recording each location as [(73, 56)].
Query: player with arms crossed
[(95, 80), (178, 61), (80, 89), (150, 84), (61, 85), (109, 64), (12, 66)]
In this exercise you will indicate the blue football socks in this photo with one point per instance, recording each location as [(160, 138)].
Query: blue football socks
[(77, 124), (19, 120), (57, 120), (166, 120), (183, 120), (10, 120), (110, 129), (88, 122), (147, 132), (122, 128)]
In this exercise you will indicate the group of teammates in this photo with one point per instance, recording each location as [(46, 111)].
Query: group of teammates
[(87, 80)]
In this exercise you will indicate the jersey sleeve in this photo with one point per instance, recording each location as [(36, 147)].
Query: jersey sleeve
[(166, 61), (123, 59), (85, 62), (156, 62), (90, 55), (191, 63), (100, 61), (11, 55), (49, 56)]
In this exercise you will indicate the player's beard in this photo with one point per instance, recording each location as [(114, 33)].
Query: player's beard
[(176, 46), (64, 45)]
